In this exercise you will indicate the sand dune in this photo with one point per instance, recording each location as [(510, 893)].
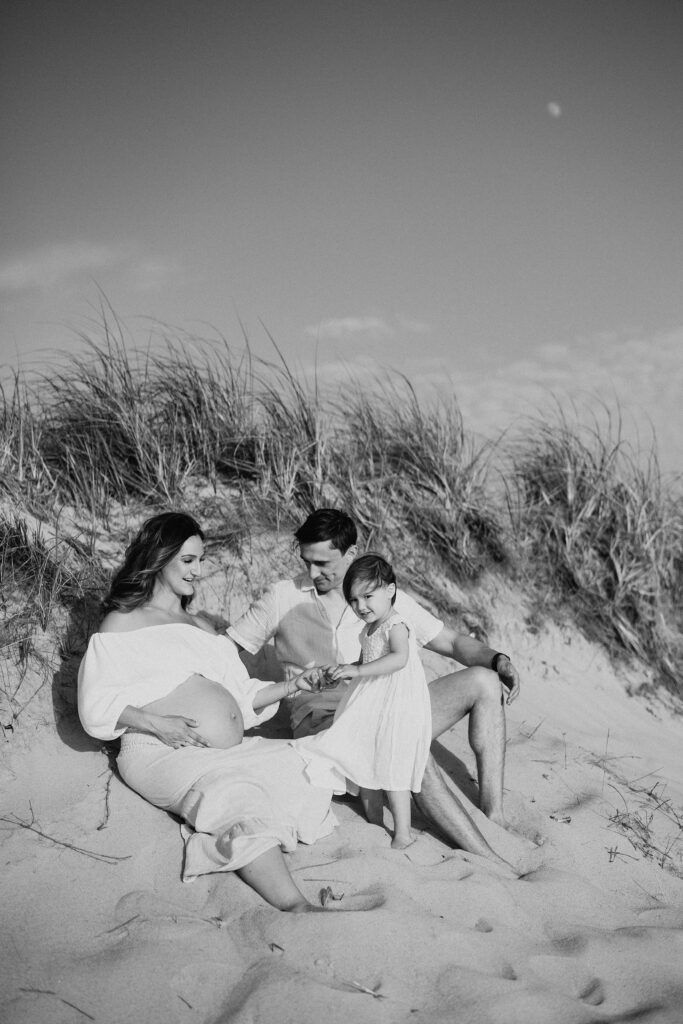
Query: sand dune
[(103, 929)]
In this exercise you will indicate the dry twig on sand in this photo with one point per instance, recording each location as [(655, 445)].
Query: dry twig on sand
[(51, 992), (30, 826)]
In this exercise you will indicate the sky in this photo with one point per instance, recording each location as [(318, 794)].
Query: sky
[(486, 195)]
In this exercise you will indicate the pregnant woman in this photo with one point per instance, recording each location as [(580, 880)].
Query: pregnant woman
[(179, 697)]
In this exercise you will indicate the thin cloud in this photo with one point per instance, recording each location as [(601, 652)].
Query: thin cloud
[(404, 323), (368, 328), (52, 265), (371, 328), (152, 274), (637, 378)]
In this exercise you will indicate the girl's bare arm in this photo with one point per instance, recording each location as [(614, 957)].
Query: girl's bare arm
[(384, 666)]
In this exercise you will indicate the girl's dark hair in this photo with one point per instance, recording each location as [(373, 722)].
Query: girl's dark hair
[(371, 569), (328, 524), (156, 543)]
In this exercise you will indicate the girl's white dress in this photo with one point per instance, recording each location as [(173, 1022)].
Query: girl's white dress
[(382, 729)]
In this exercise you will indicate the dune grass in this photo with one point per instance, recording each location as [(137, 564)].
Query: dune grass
[(596, 525), (582, 520), (29, 568), (418, 459), (118, 423), (41, 575)]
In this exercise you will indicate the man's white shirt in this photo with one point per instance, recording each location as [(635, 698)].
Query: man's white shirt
[(292, 615)]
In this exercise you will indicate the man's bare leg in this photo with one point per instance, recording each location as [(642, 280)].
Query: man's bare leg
[(475, 692), (441, 804)]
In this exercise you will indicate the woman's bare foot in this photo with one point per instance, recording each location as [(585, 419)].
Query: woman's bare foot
[(302, 907), (344, 903), (401, 841)]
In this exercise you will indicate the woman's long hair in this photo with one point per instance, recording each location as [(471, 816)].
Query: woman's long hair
[(156, 543)]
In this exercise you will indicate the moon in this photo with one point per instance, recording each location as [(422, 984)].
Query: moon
[(554, 109)]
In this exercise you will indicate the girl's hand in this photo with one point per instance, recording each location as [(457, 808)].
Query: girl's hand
[(346, 673), (329, 680), (175, 731)]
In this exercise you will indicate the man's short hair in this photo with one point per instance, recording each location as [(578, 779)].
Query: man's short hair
[(328, 524)]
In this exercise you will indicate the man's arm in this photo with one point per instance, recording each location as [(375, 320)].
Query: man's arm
[(470, 652), (258, 624)]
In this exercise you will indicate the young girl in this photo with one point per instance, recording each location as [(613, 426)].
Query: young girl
[(382, 729)]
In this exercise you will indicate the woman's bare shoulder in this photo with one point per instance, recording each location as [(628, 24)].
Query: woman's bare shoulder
[(139, 618), (206, 622), (123, 622)]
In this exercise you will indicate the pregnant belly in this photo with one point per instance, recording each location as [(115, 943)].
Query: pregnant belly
[(218, 717)]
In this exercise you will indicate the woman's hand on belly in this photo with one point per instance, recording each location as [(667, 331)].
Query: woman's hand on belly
[(175, 730), (215, 717)]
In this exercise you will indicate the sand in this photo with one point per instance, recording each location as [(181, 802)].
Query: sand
[(98, 926)]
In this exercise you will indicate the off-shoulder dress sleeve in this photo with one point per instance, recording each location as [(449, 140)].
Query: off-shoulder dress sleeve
[(103, 690), (138, 667)]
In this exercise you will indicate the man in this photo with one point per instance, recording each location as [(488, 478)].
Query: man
[(310, 623)]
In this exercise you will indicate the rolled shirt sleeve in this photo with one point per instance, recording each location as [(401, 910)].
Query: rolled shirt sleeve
[(259, 624), (425, 625)]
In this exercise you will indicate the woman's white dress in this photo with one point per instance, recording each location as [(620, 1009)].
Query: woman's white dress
[(382, 729), (238, 802)]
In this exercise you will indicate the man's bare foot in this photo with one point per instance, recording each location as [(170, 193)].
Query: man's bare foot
[(498, 818), (401, 841), (531, 834)]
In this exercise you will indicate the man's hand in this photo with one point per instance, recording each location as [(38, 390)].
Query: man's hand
[(342, 673), (507, 673), (310, 680), (315, 678)]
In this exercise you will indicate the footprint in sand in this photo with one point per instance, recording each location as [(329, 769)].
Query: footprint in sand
[(144, 903), (593, 993), (570, 945), (140, 906), (532, 861), (507, 971), (571, 979)]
